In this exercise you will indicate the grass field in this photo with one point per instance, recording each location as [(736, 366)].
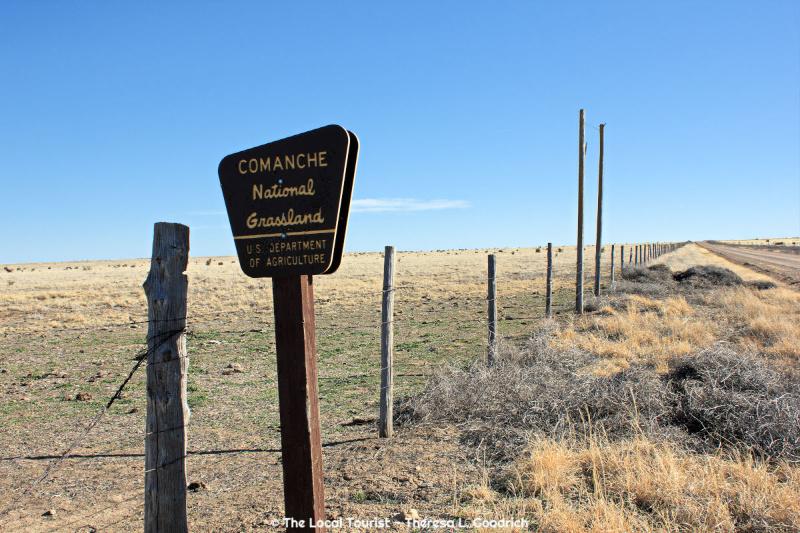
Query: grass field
[(71, 332)]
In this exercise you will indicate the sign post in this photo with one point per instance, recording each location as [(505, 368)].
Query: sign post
[(288, 203), (301, 443)]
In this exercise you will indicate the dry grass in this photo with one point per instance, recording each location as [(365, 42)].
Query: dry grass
[(642, 485), (580, 402), (641, 330), (767, 321), (636, 417), (637, 484), (37, 297)]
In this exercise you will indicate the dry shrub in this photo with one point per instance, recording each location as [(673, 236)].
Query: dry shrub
[(734, 399), (541, 390), (655, 281), (710, 445), (658, 273), (593, 303), (642, 485), (705, 276), (717, 398), (761, 284)]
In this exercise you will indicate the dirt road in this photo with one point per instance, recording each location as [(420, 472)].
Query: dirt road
[(777, 261)]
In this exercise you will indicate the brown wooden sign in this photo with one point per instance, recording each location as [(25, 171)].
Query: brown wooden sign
[(288, 202)]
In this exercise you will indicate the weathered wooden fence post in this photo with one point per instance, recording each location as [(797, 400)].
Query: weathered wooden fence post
[(598, 247), (385, 423), (612, 268), (166, 288), (548, 294), (579, 245), (492, 311), (621, 260)]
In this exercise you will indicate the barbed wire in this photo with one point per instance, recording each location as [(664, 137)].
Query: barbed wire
[(141, 356)]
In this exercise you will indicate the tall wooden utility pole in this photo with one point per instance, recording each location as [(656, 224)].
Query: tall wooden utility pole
[(599, 243), (579, 246)]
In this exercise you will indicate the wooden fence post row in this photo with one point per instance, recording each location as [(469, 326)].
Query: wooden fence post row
[(166, 288), (387, 345)]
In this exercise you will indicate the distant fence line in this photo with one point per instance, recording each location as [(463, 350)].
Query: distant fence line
[(166, 436)]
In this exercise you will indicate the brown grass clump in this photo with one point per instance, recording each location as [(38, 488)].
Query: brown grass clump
[(641, 329), (767, 320), (642, 485)]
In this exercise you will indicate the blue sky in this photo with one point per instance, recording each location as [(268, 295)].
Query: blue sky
[(115, 115)]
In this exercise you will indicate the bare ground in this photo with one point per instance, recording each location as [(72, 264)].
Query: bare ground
[(781, 262)]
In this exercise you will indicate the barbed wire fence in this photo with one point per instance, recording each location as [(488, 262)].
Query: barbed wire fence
[(82, 430)]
